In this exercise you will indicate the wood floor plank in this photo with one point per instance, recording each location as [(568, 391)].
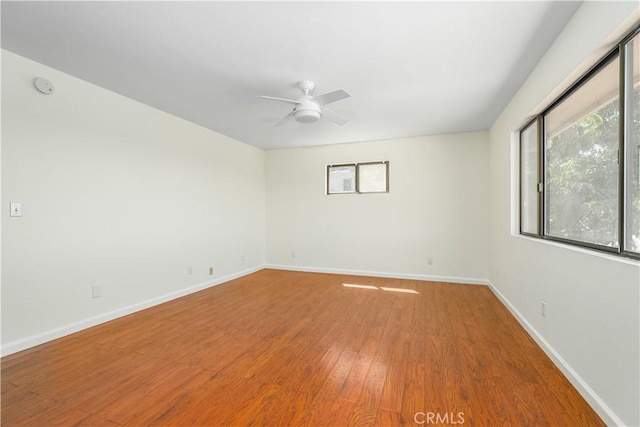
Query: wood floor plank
[(99, 394), (186, 406), (367, 406), (152, 395), (283, 348), (60, 414), (28, 410), (338, 414), (354, 383), (304, 395), (393, 392), (290, 378), (69, 381), (165, 402), (96, 420), (389, 418), (328, 393)]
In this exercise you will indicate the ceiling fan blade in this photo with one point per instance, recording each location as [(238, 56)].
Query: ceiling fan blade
[(330, 97), (284, 120), (290, 101), (334, 117)]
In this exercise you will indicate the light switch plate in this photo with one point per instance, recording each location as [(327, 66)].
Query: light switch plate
[(16, 209)]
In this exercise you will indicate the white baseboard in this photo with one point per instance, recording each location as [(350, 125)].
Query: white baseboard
[(607, 415), (446, 279), (34, 340)]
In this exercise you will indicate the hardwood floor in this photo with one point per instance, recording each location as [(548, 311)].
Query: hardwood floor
[(290, 348)]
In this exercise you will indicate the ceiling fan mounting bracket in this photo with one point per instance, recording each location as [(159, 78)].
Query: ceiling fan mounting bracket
[(306, 86)]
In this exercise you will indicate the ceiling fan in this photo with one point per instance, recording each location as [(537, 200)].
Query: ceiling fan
[(308, 109)]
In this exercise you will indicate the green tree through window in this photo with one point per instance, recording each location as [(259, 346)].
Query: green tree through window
[(582, 163)]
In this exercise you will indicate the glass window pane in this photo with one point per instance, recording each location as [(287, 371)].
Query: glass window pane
[(341, 179), (529, 179), (581, 162), (632, 147), (372, 177)]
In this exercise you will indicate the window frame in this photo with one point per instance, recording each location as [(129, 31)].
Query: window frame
[(356, 165), (622, 156), (600, 66), (617, 52), (386, 177), (537, 123), (342, 165)]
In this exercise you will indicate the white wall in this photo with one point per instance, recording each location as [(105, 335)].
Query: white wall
[(437, 207), (117, 194), (593, 301)]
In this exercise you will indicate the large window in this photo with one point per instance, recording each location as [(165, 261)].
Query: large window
[(581, 136), (580, 159)]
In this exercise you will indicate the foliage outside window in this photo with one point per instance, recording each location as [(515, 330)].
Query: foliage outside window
[(370, 177), (581, 162), (589, 156)]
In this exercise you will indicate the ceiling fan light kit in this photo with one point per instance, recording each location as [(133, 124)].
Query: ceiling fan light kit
[(306, 113), (309, 109)]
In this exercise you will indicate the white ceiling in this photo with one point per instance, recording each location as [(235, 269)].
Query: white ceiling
[(412, 68)]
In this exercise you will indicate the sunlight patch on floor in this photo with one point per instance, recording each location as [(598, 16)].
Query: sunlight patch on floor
[(401, 290), (381, 288), (350, 285)]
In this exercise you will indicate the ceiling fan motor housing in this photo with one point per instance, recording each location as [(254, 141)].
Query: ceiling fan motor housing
[(306, 111)]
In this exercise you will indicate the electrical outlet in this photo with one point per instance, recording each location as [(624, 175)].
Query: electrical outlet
[(210, 271), (430, 260), (15, 209), (189, 271), (544, 309), (242, 258), (293, 254)]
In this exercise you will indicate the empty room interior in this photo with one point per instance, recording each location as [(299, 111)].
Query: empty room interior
[(320, 213)]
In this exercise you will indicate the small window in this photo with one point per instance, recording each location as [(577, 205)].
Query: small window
[(341, 179), (372, 177), (351, 178)]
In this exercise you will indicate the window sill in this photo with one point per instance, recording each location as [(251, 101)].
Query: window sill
[(593, 252)]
